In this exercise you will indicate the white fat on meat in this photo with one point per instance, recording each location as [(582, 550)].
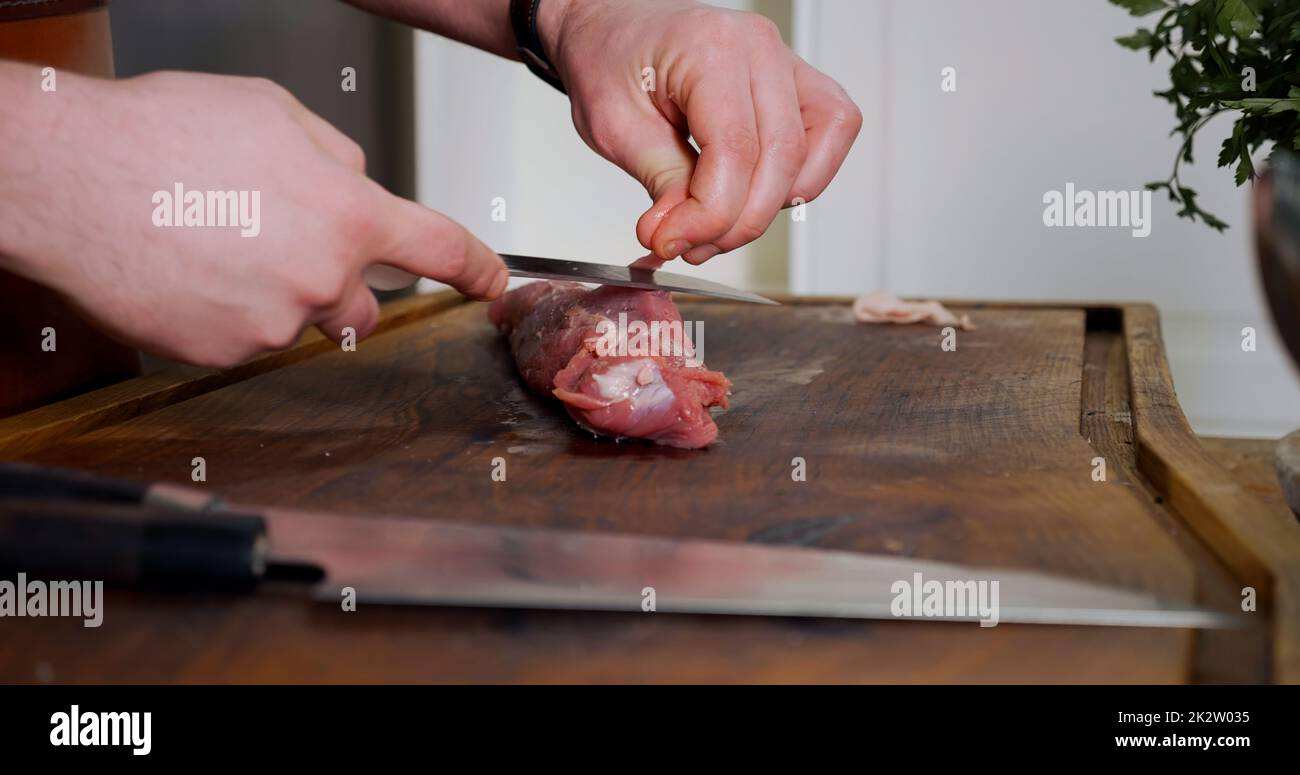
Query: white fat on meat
[(636, 381)]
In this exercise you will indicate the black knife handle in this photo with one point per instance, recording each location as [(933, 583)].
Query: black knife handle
[(144, 547), (22, 480)]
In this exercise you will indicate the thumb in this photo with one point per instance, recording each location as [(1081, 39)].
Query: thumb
[(655, 152), (665, 169)]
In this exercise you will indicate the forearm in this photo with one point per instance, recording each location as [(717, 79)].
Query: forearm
[(483, 24), (29, 151)]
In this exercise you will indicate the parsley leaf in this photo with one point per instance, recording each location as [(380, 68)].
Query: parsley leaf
[(1240, 56)]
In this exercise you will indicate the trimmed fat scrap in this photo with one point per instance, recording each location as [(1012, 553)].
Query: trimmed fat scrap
[(885, 307), (554, 330)]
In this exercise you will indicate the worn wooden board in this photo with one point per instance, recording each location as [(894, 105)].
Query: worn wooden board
[(974, 455), (1250, 463), (1263, 551)]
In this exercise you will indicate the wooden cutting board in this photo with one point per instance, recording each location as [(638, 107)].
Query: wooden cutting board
[(982, 455)]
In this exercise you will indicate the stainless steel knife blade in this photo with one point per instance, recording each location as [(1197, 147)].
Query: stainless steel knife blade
[(624, 276), (382, 277), (407, 561)]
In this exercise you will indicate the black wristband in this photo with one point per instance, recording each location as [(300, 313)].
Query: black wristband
[(523, 19)]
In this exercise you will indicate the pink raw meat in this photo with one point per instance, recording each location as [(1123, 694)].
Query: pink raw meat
[(554, 334), (885, 307)]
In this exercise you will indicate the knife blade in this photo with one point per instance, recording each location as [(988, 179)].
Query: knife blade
[(623, 276), (395, 560), (168, 538), (386, 278)]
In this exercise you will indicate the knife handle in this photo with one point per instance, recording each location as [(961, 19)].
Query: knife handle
[(22, 480), (149, 548), (382, 277)]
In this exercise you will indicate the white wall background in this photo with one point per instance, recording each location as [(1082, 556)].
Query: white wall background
[(942, 194)]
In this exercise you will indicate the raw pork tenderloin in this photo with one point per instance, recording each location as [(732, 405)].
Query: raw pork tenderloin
[(555, 330)]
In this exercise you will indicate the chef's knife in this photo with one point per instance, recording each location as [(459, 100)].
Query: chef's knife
[(382, 277), (166, 538)]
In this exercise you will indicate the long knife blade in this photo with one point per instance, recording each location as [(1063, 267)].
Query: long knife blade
[(625, 276), (407, 561)]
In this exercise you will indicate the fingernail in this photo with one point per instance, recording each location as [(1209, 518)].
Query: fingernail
[(700, 253), (675, 248)]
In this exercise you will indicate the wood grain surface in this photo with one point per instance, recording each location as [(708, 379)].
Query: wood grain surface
[(122, 401), (972, 456), (1250, 463), (1262, 550)]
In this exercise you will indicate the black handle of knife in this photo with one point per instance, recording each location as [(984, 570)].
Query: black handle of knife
[(22, 480), (145, 547)]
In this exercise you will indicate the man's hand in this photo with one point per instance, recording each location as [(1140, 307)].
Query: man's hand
[(79, 168), (770, 128)]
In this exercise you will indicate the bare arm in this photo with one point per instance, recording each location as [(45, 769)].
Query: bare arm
[(483, 24), (96, 185)]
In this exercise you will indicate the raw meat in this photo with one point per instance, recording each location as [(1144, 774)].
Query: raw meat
[(885, 307), (555, 332)]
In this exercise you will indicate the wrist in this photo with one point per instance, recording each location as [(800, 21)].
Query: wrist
[(554, 19)]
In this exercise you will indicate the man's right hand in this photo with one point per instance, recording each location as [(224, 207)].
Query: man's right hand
[(78, 171)]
